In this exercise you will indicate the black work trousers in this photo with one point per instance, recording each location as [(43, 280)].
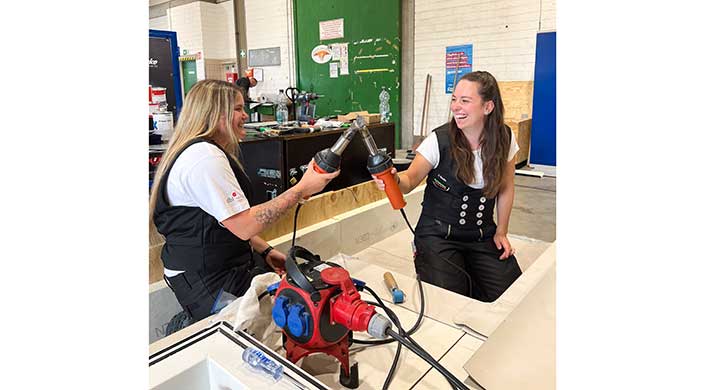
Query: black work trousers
[(470, 250), (196, 291)]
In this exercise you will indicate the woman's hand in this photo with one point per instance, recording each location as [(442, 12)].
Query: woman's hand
[(276, 260), (313, 182), (380, 183), (502, 242)]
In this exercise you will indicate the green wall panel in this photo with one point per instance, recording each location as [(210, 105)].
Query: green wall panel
[(372, 30)]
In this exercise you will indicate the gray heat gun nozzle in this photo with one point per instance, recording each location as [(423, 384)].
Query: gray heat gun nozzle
[(366, 136), (344, 140)]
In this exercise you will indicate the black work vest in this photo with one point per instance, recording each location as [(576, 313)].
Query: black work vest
[(195, 240), (448, 199)]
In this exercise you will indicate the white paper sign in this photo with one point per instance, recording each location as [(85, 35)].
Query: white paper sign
[(330, 29), (334, 70), (258, 74), (335, 48), (344, 58)]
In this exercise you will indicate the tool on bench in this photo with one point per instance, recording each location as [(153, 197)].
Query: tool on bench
[(305, 107)]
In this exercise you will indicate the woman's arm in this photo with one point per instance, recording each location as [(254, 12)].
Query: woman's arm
[(274, 258), (505, 200), (258, 244), (254, 220), (409, 179)]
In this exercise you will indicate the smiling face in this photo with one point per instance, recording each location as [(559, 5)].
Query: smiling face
[(467, 106), (239, 117)]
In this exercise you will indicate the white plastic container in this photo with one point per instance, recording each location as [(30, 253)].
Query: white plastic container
[(163, 124)]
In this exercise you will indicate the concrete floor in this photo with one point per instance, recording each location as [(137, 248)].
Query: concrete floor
[(534, 211)]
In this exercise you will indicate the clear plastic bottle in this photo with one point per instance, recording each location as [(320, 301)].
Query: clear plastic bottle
[(384, 112), (257, 360), (282, 113)]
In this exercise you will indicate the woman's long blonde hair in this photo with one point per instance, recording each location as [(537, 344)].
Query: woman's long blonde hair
[(207, 102)]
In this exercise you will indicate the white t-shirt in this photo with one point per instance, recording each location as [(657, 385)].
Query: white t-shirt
[(202, 177), (429, 149)]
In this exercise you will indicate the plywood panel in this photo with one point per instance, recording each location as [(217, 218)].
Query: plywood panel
[(522, 133), (325, 206), (517, 97)]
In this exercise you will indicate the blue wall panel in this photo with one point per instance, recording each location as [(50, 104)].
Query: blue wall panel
[(543, 122)]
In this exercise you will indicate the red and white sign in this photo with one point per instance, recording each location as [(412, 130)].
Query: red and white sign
[(331, 29)]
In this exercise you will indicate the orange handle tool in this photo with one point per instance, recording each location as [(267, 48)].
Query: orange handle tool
[(318, 169), (391, 188)]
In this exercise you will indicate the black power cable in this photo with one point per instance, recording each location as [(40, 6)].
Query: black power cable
[(296, 217), (395, 320), (428, 358), (381, 305)]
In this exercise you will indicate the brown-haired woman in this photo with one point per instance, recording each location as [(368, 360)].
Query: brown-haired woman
[(469, 166), (199, 202)]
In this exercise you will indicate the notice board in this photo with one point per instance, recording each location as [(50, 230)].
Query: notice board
[(347, 50)]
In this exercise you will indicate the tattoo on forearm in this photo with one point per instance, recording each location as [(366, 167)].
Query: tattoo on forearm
[(268, 213)]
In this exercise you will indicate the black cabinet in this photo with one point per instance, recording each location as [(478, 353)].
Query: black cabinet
[(264, 165), (276, 164)]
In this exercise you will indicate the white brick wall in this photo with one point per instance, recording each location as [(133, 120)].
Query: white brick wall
[(218, 27), (160, 23), (503, 34), (267, 26), (211, 28), (185, 20), (548, 15)]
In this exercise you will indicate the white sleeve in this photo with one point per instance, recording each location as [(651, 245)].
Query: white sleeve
[(429, 149), (212, 186), (513, 147)]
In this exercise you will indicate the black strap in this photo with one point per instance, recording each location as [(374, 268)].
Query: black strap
[(293, 270)]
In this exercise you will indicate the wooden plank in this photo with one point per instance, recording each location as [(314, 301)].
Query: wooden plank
[(517, 97), (522, 133)]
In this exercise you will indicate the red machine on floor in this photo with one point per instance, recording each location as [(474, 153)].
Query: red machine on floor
[(318, 305)]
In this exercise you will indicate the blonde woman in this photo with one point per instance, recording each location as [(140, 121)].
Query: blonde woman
[(468, 165), (199, 202)]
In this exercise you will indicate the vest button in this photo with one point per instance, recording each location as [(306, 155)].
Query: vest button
[(465, 198), (482, 207), (479, 215), (464, 206), (483, 199), (479, 222), (462, 213), (462, 221)]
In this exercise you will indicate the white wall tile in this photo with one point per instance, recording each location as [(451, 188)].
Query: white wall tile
[(503, 34), (267, 26)]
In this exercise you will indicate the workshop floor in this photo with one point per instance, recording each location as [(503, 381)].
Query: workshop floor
[(531, 229)]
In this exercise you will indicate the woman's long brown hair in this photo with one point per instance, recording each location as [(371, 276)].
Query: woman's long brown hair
[(494, 140)]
